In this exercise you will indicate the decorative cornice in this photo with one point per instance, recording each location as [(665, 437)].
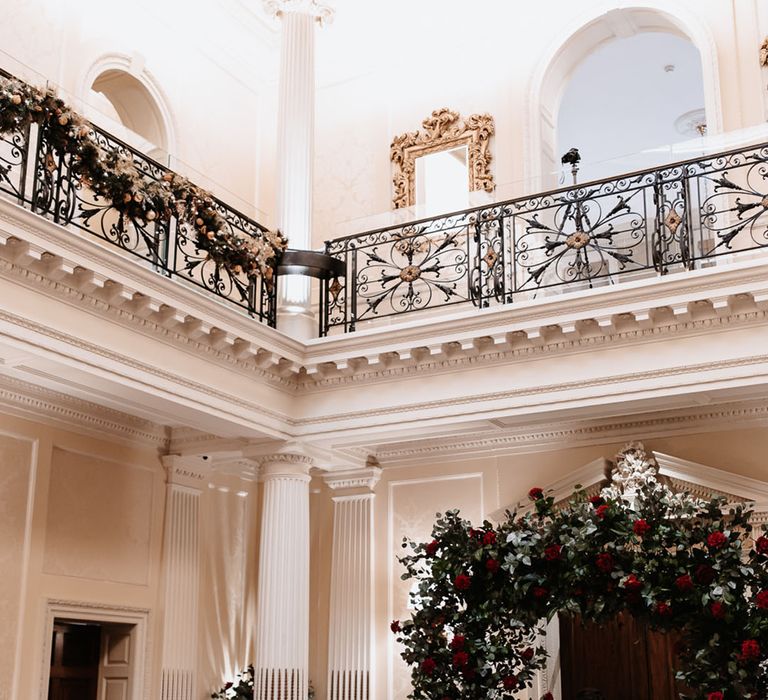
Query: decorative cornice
[(547, 435), (353, 479), (34, 402)]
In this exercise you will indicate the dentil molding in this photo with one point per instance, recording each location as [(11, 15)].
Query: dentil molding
[(353, 479)]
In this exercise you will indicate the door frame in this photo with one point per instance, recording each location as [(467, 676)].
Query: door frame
[(138, 618)]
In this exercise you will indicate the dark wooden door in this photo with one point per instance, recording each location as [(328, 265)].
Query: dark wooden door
[(74, 662), (622, 659)]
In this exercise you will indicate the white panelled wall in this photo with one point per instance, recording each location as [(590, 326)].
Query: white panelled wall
[(181, 576), (282, 630), (350, 641)]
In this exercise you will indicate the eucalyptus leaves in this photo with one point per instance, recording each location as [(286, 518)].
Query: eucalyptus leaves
[(678, 561)]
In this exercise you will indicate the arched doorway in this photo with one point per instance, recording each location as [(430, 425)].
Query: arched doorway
[(576, 43), (628, 100)]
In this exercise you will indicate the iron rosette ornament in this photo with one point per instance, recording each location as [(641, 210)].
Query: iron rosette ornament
[(677, 561)]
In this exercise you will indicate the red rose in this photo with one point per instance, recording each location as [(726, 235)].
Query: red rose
[(604, 562), (536, 493), (632, 583), (684, 583), (597, 501), (458, 641), (553, 552), (228, 685), (460, 659), (431, 548), (547, 696), (395, 626), (473, 533), (527, 654), (489, 538), (428, 665), (540, 592), (462, 582), (717, 609), (750, 650), (716, 540), (641, 527), (602, 511), (762, 545), (510, 682), (492, 566), (663, 609), (761, 600), (717, 695), (705, 574)]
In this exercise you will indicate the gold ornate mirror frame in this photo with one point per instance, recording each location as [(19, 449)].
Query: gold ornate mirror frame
[(443, 130)]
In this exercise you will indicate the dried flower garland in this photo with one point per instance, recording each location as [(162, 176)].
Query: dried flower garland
[(114, 177), (675, 560)]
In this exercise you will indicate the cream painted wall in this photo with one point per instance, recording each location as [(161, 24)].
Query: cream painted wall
[(213, 110), (492, 69), (82, 521)]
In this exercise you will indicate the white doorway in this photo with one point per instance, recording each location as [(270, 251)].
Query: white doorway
[(94, 653)]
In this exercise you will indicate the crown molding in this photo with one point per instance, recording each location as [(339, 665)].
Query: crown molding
[(33, 402), (548, 435), (353, 479)]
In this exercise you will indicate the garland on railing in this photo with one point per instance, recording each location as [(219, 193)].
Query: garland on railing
[(114, 177), (679, 562)]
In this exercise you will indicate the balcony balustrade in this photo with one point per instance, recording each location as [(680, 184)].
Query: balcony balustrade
[(682, 216), (687, 215), (34, 174)]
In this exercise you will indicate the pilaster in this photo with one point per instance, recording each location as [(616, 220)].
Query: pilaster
[(181, 577), (350, 640)]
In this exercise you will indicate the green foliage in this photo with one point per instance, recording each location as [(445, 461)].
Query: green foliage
[(113, 176), (677, 561)]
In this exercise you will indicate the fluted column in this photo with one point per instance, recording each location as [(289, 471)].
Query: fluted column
[(282, 630), (181, 579), (295, 149), (350, 640)]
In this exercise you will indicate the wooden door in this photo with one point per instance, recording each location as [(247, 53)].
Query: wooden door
[(116, 666), (74, 661), (622, 659)]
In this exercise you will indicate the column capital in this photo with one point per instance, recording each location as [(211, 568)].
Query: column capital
[(186, 470), (365, 478), (323, 14), (286, 464)]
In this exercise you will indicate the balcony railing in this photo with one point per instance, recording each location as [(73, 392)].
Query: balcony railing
[(38, 177), (651, 222)]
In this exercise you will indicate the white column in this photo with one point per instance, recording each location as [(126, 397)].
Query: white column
[(282, 629), (295, 149), (181, 578), (350, 633)]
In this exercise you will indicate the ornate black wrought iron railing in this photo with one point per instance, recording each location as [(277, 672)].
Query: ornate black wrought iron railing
[(651, 222), (37, 176)]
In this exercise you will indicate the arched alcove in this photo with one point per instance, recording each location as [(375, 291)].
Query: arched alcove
[(581, 38), (121, 89)]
